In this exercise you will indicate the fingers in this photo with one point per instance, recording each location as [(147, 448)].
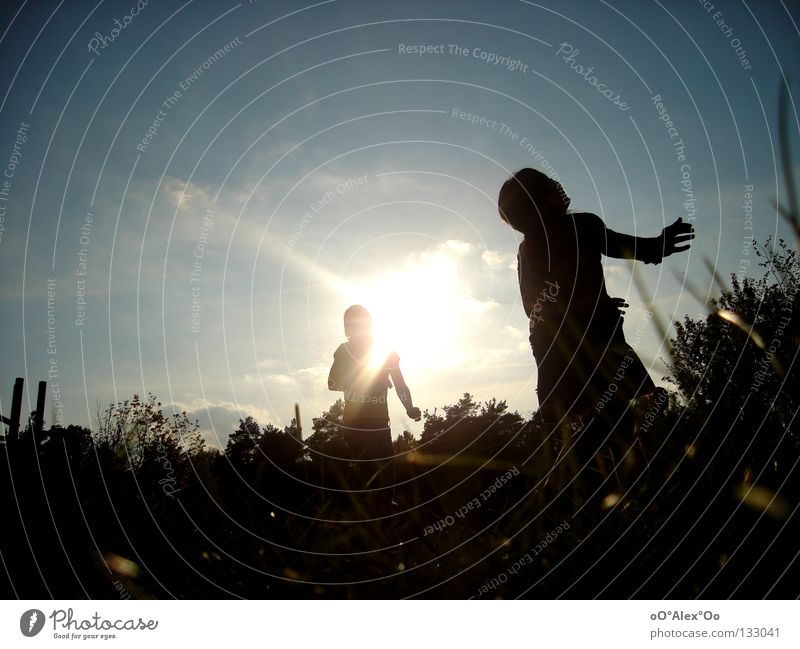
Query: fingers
[(676, 247), (678, 224), (676, 236), (680, 228), (620, 304)]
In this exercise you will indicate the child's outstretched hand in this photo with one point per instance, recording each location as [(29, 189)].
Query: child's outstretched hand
[(621, 304), (676, 234), (414, 413)]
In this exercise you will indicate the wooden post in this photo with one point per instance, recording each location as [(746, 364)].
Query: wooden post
[(297, 422), (38, 418), (16, 407)]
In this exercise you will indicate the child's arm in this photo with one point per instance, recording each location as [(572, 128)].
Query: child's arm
[(336, 375), (404, 394), (650, 250)]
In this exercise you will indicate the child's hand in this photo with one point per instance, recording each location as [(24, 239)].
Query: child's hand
[(414, 413), (621, 304), (676, 234)]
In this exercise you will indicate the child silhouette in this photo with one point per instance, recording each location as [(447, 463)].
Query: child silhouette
[(365, 375), (584, 363)]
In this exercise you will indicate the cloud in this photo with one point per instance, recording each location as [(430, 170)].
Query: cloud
[(615, 269), (496, 260), (280, 379), (265, 379), (268, 363), (219, 419), (286, 377), (236, 212), (311, 371), (185, 195), (476, 306), (459, 247)]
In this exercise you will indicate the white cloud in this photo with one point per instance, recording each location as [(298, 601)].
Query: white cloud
[(184, 195), (494, 259), (219, 419), (267, 379), (267, 363), (459, 247), (615, 269), (479, 307), (312, 373), (280, 379)]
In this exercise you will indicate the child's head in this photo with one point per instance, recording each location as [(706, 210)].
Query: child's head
[(527, 195), (357, 322)]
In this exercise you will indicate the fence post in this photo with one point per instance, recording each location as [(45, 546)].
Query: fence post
[(299, 426), (38, 418), (16, 407)]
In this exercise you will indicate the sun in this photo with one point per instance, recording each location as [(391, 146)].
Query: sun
[(415, 312)]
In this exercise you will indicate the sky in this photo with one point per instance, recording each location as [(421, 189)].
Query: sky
[(194, 192)]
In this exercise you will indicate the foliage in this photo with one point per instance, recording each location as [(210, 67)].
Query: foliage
[(742, 358), (139, 430), (327, 438), (469, 427)]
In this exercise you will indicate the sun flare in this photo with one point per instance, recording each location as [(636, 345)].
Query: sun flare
[(416, 313)]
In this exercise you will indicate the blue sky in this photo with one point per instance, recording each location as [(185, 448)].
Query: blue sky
[(305, 156)]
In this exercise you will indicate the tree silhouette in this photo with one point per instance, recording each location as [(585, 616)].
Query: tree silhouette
[(470, 427), (737, 371), (328, 438), (139, 431), (242, 443), (744, 353), (404, 442)]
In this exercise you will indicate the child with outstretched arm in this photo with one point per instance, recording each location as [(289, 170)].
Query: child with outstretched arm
[(584, 362)]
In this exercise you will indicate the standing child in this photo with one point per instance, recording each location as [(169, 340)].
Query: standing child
[(584, 363), (365, 376)]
